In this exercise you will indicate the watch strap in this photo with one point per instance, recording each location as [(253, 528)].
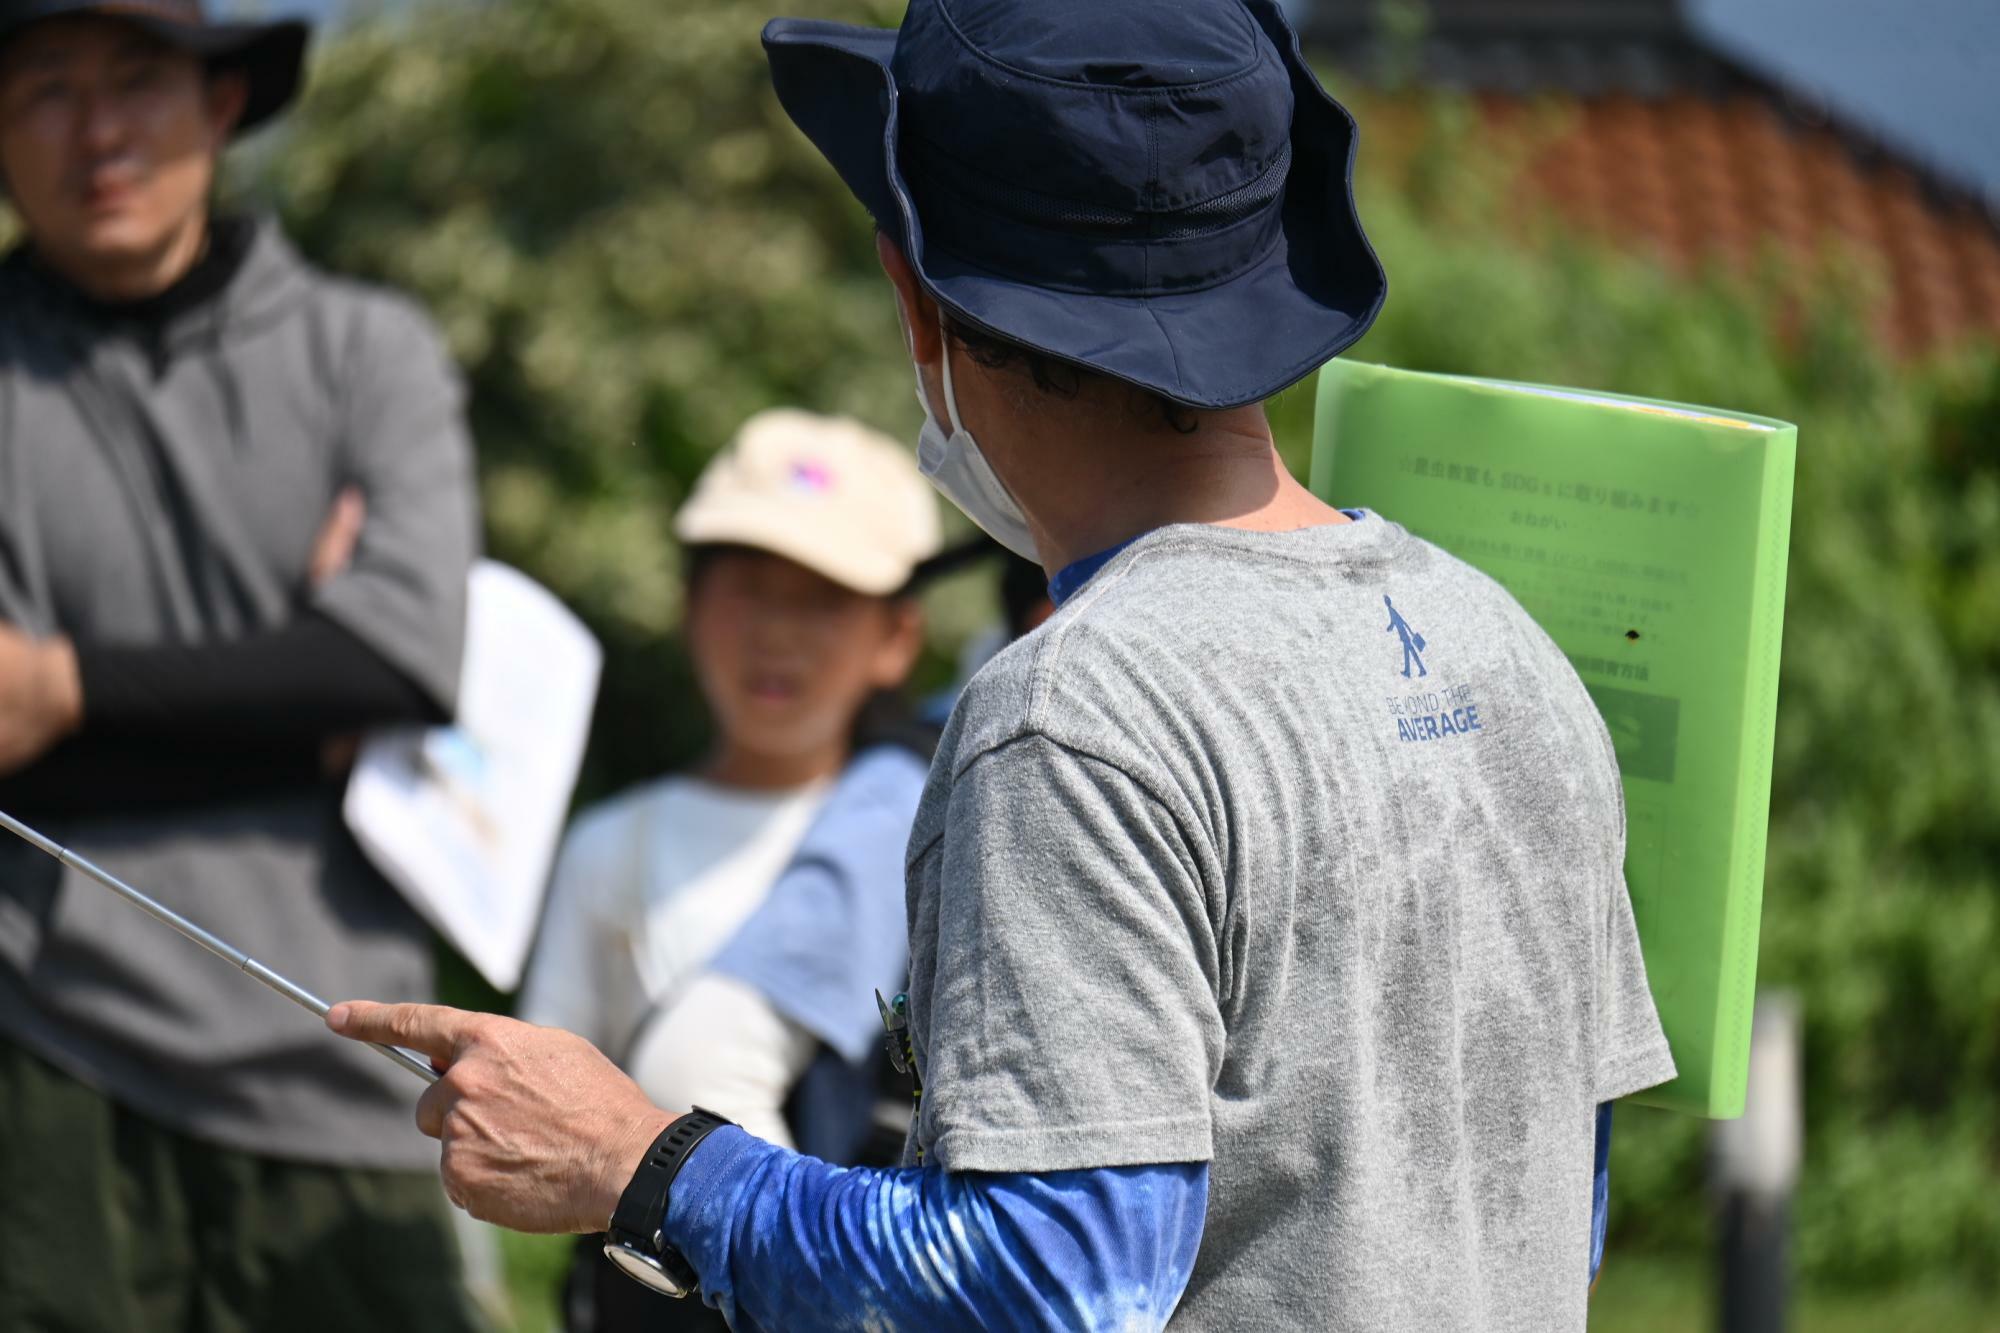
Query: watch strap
[(642, 1208)]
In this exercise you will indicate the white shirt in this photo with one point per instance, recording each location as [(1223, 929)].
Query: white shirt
[(648, 888)]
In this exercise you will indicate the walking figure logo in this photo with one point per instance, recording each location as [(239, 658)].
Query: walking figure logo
[(1413, 642)]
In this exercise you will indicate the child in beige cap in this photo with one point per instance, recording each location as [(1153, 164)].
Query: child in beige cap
[(802, 535)]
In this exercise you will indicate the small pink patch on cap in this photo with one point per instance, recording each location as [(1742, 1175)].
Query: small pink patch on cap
[(812, 476)]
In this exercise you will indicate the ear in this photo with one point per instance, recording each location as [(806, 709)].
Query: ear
[(896, 657), (918, 312), (228, 95)]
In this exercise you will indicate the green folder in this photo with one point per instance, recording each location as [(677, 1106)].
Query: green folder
[(1649, 540)]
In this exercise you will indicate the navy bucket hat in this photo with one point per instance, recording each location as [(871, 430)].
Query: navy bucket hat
[(270, 55), (1159, 192)]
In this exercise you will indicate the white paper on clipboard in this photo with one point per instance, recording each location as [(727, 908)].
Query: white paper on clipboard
[(464, 820)]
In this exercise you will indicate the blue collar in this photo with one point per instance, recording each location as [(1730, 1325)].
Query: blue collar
[(1069, 580)]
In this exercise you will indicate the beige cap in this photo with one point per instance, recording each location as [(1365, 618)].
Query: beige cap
[(839, 498)]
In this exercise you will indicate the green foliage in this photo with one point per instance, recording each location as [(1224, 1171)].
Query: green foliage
[(631, 250), (536, 1267), (1643, 1294)]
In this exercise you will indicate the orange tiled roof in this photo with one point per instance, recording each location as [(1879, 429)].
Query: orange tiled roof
[(1697, 177)]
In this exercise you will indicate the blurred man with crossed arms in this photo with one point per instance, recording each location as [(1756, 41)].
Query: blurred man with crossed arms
[(236, 518)]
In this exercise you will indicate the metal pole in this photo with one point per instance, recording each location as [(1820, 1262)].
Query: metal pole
[(215, 944), (1755, 1165)]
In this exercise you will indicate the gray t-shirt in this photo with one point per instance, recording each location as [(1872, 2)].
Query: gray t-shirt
[(1299, 854)]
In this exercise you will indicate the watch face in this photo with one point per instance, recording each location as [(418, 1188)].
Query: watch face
[(643, 1268)]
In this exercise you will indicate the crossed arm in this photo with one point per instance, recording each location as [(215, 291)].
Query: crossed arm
[(88, 726), (44, 679)]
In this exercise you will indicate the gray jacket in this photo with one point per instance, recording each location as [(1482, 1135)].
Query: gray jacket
[(169, 490)]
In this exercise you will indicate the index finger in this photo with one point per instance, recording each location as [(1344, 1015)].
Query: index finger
[(430, 1029)]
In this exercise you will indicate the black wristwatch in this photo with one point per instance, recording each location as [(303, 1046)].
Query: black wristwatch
[(633, 1242)]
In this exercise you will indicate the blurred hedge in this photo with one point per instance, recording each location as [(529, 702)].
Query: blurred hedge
[(631, 250), (629, 253)]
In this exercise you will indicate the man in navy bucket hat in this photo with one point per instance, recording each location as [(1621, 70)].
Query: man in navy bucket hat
[(1256, 982), (1157, 194)]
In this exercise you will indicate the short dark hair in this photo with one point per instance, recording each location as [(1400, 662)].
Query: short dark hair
[(1062, 379)]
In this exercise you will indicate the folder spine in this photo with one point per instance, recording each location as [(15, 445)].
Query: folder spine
[(1753, 807)]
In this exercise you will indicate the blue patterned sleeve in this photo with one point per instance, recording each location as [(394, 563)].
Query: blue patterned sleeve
[(783, 1241), (1600, 1189)]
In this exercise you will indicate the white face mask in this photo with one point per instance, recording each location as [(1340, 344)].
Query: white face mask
[(957, 468)]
